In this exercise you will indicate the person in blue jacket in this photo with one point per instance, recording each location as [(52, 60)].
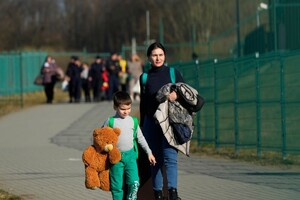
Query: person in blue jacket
[(95, 77), (73, 72)]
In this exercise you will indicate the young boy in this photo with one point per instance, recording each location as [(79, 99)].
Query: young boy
[(127, 165)]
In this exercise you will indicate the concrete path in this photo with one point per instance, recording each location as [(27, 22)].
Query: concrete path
[(40, 159)]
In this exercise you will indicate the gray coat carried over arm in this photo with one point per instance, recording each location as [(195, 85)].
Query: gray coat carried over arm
[(174, 112)]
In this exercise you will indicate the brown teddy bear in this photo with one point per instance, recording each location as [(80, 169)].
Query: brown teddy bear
[(98, 157)]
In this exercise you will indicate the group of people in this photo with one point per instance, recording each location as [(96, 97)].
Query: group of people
[(160, 153), (103, 77), (98, 81)]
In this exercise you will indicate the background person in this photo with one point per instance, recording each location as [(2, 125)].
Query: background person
[(123, 74), (48, 70), (135, 69), (95, 76), (85, 83), (73, 76), (113, 69)]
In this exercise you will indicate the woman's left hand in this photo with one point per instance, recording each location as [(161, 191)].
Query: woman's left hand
[(172, 96)]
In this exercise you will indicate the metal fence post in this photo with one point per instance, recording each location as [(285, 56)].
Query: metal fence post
[(21, 80), (236, 101), (275, 26), (282, 105), (198, 113), (216, 105), (258, 109)]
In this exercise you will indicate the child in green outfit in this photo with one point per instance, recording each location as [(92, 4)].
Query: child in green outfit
[(128, 165)]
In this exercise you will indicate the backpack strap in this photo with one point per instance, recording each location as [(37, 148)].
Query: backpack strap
[(111, 122), (135, 126), (144, 81), (172, 74), (136, 123), (145, 76)]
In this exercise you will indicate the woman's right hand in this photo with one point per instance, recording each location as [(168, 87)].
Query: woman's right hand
[(172, 96)]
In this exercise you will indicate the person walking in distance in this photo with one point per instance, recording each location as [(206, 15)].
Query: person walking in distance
[(113, 69), (85, 82), (95, 77), (73, 76), (49, 79), (135, 69)]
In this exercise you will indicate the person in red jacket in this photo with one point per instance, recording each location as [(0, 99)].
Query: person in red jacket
[(104, 87)]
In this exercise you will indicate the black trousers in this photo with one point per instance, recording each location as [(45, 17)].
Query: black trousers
[(75, 90), (96, 90), (49, 91), (85, 84)]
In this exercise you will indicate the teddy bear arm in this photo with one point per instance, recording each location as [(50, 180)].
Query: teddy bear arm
[(114, 156), (88, 155)]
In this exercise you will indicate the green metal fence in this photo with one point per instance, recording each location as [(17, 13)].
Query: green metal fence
[(251, 102), (17, 73), (273, 28)]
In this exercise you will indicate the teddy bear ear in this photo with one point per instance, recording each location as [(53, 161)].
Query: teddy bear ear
[(117, 131), (96, 132)]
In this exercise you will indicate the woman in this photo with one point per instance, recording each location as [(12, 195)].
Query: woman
[(85, 83), (49, 78), (166, 155)]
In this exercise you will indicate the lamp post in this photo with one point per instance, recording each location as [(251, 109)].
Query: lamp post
[(147, 27), (237, 3), (262, 6)]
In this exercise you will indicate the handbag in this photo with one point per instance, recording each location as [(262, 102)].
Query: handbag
[(182, 132), (65, 85), (60, 74), (38, 79)]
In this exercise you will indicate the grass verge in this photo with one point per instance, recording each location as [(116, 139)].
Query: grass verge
[(271, 159), (12, 103), (7, 196)]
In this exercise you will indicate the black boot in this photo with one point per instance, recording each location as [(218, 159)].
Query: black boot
[(173, 194), (158, 195)]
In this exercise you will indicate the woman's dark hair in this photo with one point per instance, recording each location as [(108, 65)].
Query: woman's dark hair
[(155, 45), (48, 56), (121, 97)]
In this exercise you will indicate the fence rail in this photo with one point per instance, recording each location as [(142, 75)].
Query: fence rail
[(252, 102)]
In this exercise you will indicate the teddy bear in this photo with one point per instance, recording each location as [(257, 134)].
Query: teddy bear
[(97, 158)]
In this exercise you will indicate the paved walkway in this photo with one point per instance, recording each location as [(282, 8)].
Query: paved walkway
[(40, 159)]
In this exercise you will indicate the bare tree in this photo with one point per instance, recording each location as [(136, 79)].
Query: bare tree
[(101, 25)]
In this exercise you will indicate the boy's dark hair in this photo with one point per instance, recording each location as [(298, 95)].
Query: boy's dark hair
[(121, 98), (155, 45)]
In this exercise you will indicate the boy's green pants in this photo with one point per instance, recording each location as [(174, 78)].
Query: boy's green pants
[(128, 167)]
